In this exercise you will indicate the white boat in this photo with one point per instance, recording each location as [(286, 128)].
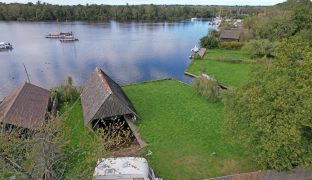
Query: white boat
[(195, 49), (193, 19), (68, 39), (59, 34), (5, 46)]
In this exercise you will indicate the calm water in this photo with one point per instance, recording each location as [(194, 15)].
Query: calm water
[(128, 52)]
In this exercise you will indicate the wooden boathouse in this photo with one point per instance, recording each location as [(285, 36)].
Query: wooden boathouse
[(103, 99), (25, 107)]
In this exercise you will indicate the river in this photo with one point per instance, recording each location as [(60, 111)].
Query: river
[(128, 52)]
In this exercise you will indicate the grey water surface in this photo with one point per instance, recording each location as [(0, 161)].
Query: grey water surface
[(128, 52)]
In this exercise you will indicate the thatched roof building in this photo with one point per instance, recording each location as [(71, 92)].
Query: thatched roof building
[(25, 107), (231, 35), (103, 98)]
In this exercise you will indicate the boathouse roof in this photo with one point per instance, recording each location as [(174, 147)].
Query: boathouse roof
[(201, 52), (232, 34), (102, 97), (25, 107)]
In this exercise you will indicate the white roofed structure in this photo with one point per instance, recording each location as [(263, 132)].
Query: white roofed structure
[(123, 168)]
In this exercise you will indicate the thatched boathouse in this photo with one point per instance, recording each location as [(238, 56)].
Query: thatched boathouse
[(25, 107), (103, 98), (232, 35)]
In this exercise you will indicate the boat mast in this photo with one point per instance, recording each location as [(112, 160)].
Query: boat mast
[(26, 73)]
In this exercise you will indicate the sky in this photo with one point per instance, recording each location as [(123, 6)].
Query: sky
[(184, 2)]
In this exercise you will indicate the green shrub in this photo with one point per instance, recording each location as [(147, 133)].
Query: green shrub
[(210, 41), (231, 45), (260, 48), (66, 92), (208, 88)]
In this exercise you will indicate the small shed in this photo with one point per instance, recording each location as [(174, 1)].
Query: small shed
[(103, 98), (25, 107), (200, 54), (231, 35)]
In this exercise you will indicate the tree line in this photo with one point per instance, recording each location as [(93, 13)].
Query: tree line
[(48, 12), (271, 113)]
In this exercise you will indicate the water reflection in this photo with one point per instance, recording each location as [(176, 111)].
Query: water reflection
[(128, 52)]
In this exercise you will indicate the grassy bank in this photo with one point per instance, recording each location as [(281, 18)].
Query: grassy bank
[(219, 64), (226, 55), (84, 146), (184, 132)]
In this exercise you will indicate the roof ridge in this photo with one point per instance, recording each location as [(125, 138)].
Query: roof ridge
[(14, 100), (100, 74)]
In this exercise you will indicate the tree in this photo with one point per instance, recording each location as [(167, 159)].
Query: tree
[(272, 114), (210, 41), (260, 48), (33, 154)]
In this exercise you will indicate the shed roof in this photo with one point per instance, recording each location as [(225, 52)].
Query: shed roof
[(102, 97), (230, 34), (25, 107), (201, 52)]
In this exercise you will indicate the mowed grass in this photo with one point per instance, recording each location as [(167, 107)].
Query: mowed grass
[(83, 144), (224, 54), (215, 64), (184, 132)]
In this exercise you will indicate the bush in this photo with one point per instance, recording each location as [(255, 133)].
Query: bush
[(208, 88), (210, 41), (260, 48), (231, 45), (66, 92)]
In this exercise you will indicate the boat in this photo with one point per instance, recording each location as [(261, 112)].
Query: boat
[(68, 39), (193, 19), (57, 35), (5, 46), (195, 49)]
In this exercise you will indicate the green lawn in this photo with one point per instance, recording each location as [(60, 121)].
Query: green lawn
[(214, 63), (84, 146), (224, 54), (182, 129), (184, 132)]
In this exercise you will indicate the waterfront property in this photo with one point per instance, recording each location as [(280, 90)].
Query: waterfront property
[(184, 132), (228, 67), (26, 107)]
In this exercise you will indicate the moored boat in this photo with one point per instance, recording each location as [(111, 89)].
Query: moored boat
[(5, 46), (68, 39), (193, 19), (59, 34), (195, 49)]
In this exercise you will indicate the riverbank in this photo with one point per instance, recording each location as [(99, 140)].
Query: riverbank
[(229, 67), (182, 130)]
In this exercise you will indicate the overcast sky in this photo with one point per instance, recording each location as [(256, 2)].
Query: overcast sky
[(193, 2)]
